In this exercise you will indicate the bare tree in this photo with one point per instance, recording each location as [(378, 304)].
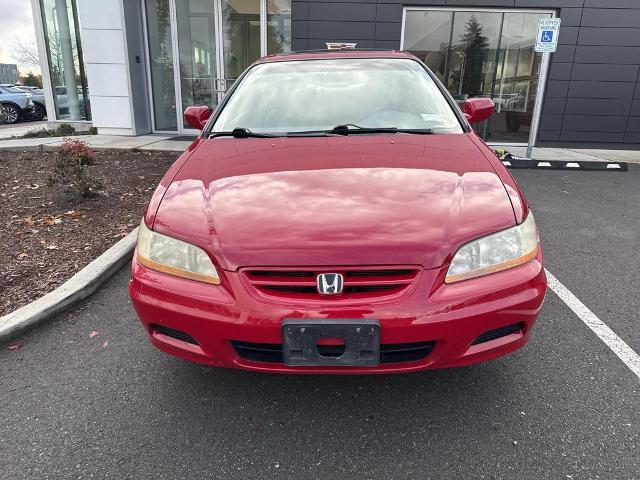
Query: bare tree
[(25, 53)]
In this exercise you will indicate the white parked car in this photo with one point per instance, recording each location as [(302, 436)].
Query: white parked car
[(17, 103)]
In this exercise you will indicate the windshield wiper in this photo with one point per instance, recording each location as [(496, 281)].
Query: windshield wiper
[(356, 129), (345, 130), (241, 133)]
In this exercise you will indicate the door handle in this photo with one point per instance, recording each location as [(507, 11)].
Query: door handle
[(220, 85)]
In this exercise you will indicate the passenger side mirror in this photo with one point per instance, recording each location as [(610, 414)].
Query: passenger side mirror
[(197, 116), (478, 109)]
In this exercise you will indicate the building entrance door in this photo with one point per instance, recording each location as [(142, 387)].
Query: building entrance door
[(198, 48)]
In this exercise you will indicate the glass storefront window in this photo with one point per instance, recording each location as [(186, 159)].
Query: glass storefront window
[(66, 66), (278, 26), (198, 49), (482, 54), (161, 64), (427, 37), (241, 34)]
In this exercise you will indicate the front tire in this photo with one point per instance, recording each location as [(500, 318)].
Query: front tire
[(12, 113), (38, 114)]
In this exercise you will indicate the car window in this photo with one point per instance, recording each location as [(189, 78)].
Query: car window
[(303, 95), (14, 90)]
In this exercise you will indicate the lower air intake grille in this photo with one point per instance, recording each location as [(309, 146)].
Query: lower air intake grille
[(392, 353), (499, 333), (177, 334)]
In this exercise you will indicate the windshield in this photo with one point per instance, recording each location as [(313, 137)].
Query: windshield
[(310, 95)]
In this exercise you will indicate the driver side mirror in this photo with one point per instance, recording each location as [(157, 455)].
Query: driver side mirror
[(197, 116), (478, 109)]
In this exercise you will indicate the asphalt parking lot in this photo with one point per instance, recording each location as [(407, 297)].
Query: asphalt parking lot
[(565, 407)]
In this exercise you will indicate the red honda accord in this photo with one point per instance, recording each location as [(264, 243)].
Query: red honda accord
[(338, 215)]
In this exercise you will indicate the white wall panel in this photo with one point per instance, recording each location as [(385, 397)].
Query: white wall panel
[(113, 112), (108, 79), (102, 14), (103, 46)]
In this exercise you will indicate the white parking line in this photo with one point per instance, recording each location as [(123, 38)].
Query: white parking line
[(630, 358)]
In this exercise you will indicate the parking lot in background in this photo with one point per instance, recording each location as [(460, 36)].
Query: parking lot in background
[(565, 407)]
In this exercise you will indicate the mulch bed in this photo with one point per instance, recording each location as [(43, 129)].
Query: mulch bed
[(45, 238)]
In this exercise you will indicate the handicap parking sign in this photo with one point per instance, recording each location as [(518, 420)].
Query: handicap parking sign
[(548, 29)]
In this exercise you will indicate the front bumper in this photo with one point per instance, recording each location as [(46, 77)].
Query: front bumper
[(206, 323)]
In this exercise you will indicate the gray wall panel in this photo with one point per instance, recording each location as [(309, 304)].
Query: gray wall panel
[(343, 12), (623, 37), (612, 3), (588, 89), (635, 108), (388, 31), (598, 137), (389, 13), (571, 17), (610, 17), (612, 55), (589, 123), (597, 106), (632, 138), (634, 125), (554, 105), (568, 35), (341, 30), (549, 136), (592, 71), (557, 89), (564, 54)]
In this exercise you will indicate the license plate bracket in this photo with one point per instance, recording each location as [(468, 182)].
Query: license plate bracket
[(361, 339)]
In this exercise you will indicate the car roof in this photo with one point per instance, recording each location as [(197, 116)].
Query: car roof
[(330, 54)]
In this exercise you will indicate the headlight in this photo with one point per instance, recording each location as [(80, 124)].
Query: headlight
[(496, 252), (174, 257)]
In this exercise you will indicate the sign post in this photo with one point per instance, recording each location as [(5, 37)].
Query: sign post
[(546, 43)]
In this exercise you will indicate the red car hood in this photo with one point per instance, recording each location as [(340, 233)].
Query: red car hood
[(334, 201)]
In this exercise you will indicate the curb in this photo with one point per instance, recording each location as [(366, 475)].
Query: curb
[(77, 288)]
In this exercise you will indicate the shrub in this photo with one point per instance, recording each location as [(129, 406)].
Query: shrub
[(93, 131), (38, 133), (64, 130), (70, 170)]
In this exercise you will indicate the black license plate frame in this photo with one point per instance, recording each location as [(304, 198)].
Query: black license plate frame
[(360, 336)]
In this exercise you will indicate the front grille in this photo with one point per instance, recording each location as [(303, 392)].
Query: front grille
[(499, 333), (177, 334), (358, 283), (390, 353)]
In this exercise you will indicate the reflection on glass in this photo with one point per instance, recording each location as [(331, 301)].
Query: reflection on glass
[(299, 96), (161, 61), (66, 66), (241, 33), (196, 47), (278, 26), (516, 76), (482, 54), (473, 52), (427, 37)]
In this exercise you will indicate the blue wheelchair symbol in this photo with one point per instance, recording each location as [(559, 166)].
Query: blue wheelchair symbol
[(547, 36)]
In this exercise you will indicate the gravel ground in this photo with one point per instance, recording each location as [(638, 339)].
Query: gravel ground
[(45, 239)]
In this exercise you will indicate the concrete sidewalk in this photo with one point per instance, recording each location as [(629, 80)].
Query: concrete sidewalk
[(103, 142), (577, 154), (17, 129), (178, 144)]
